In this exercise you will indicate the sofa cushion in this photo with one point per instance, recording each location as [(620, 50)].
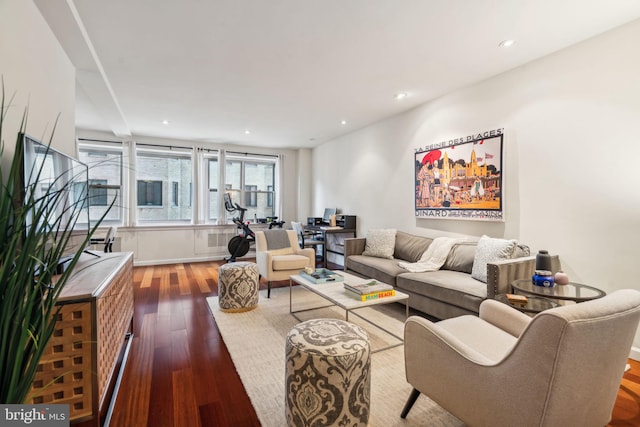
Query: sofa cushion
[(491, 249), (451, 287), (289, 262), (461, 257), (380, 243), (409, 247), (384, 270)]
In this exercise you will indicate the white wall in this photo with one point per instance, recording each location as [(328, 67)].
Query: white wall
[(38, 72), (572, 136), (304, 184)]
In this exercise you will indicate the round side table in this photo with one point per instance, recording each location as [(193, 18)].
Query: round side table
[(534, 304), (569, 292)]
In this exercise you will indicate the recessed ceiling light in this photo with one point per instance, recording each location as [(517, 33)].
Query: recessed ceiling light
[(401, 95), (343, 122), (247, 131), (165, 122), (507, 43)]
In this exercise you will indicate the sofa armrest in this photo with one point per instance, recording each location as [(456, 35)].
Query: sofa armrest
[(354, 246), (500, 274)]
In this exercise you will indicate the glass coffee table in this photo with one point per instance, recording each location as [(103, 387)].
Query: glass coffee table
[(570, 292), (335, 293)]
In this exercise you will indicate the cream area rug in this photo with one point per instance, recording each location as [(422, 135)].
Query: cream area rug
[(256, 342)]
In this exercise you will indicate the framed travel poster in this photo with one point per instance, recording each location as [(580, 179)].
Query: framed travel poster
[(461, 178)]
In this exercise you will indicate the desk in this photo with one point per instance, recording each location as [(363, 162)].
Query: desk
[(333, 238)]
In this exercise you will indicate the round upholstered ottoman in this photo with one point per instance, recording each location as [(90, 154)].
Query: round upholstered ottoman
[(328, 377), (238, 285)]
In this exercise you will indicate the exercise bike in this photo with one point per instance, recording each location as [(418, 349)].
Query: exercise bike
[(239, 245)]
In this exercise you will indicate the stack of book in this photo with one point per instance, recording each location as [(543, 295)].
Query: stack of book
[(369, 290)]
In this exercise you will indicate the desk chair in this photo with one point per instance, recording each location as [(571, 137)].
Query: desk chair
[(108, 239), (308, 240)]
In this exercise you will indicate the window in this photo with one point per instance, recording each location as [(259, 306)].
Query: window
[(251, 195), (174, 187), (162, 185), (98, 192), (164, 176), (251, 182), (105, 162), (149, 193)]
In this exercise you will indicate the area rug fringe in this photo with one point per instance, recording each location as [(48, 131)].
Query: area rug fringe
[(256, 342)]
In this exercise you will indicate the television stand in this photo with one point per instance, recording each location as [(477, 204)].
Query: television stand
[(83, 360)]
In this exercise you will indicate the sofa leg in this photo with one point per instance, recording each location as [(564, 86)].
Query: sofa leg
[(269, 289), (407, 406)]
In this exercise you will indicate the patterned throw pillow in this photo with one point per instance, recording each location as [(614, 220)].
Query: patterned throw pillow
[(380, 243), (489, 250)]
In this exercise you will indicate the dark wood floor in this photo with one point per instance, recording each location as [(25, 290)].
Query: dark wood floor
[(179, 371)]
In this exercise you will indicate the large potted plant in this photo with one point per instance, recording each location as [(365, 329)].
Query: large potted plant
[(32, 244)]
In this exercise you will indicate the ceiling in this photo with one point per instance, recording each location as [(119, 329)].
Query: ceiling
[(289, 71)]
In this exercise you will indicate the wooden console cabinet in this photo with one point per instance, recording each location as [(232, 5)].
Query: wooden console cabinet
[(83, 358)]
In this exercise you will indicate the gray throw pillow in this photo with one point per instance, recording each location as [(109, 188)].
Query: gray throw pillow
[(461, 257), (409, 247), (488, 250), (380, 243)]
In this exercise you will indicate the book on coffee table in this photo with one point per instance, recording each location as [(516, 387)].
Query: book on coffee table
[(369, 287), (372, 295)]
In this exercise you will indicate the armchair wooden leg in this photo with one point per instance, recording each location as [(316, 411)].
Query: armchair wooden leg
[(269, 289), (407, 406)]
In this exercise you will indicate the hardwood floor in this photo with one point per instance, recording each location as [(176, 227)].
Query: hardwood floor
[(179, 371)]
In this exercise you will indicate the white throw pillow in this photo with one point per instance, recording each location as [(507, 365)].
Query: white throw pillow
[(489, 250), (380, 243)]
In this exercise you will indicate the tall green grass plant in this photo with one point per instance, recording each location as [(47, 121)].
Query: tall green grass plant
[(30, 252)]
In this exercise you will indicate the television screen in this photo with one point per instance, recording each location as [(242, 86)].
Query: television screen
[(54, 178)]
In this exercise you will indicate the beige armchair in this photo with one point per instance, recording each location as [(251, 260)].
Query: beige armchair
[(561, 368), (279, 256)]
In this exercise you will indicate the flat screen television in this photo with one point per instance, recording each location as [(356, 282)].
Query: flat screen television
[(60, 181)]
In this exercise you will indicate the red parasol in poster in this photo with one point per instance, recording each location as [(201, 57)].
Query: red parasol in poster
[(431, 156)]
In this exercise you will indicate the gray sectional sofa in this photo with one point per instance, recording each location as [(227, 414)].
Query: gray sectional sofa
[(451, 290)]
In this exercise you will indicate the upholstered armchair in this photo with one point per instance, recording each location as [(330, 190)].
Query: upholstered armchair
[(561, 368), (279, 256)]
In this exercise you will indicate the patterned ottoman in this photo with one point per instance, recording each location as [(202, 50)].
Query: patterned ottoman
[(238, 284), (327, 375)]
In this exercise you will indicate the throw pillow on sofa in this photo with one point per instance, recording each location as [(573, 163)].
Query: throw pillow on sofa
[(461, 257), (410, 247), (380, 243), (490, 249)]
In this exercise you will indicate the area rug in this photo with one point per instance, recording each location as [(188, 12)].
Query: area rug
[(256, 342)]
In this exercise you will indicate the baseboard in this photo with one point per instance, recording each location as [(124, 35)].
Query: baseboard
[(635, 354), (146, 263)]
